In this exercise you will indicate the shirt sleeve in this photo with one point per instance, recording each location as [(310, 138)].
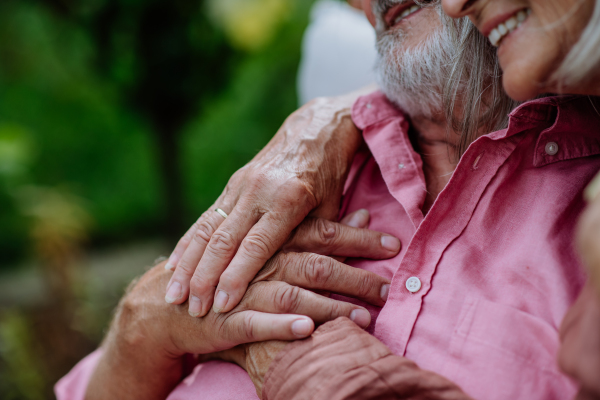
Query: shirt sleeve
[(73, 385), (341, 362)]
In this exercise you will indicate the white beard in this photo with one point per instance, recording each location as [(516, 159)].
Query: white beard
[(413, 79)]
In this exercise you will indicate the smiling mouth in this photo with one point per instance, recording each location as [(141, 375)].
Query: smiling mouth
[(406, 13), (503, 29), (398, 13)]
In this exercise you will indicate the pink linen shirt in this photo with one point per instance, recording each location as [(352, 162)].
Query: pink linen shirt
[(492, 263)]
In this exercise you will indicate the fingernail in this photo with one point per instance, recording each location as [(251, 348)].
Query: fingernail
[(390, 243), (301, 327), (361, 317), (360, 219), (221, 300), (169, 266), (173, 292), (385, 291), (593, 189), (195, 306)]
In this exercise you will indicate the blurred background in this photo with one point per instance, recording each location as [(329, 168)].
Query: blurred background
[(120, 123)]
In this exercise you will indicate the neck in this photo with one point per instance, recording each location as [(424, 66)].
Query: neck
[(431, 140)]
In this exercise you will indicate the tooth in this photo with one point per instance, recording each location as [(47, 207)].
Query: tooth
[(529, 11), (494, 37), (404, 13), (414, 9), (521, 16), (511, 24), (502, 29)]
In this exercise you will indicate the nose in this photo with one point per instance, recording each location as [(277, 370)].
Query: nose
[(458, 8)]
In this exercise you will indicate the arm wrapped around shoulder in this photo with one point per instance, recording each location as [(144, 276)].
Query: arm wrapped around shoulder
[(341, 361)]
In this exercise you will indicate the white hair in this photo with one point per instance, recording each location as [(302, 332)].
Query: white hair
[(582, 62), (454, 72), (412, 78)]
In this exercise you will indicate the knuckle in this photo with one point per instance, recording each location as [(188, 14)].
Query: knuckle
[(185, 267), (365, 282), (338, 309), (328, 231), (287, 298), (297, 188), (232, 281), (257, 245), (203, 232), (318, 270), (248, 326), (222, 242), (199, 284)]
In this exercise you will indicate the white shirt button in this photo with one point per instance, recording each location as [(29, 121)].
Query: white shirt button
[(413, 284), (551, 148)]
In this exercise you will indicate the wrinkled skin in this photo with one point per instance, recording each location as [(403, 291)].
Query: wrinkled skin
[(144, 351), (532, 53), (300, 173)]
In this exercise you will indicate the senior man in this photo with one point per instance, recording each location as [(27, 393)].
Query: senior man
[(478, 294)]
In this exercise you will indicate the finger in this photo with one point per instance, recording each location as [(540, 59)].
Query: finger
[(254, 326), (258, 246), (220, 251), (357, 219), (315, 272), (282, 298), (320, 236), (182, 244), (203, 229)]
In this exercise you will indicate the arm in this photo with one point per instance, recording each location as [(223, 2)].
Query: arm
[(143, 355)]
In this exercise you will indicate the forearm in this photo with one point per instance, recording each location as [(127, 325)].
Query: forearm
[(341, 361), (131, 371)]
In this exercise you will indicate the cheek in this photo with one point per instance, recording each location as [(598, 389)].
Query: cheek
[(528, 61)]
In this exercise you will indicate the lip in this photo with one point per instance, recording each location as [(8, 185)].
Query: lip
[(490, 24), (395, 11)]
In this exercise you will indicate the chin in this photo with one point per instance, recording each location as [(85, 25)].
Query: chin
[(520, 89)]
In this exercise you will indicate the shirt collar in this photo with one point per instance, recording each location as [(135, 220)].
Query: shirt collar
[(569, 125)]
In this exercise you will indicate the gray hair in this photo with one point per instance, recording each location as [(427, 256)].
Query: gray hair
[(475, 83), (583, 60), (459, 77)]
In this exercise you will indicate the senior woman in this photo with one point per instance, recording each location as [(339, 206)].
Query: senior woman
[(554, 46)]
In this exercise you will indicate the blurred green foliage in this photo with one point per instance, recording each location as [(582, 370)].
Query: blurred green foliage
[(143, 108)]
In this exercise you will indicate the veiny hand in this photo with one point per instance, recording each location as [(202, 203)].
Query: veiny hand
[(143, 351), (320, 236), (301, 172)]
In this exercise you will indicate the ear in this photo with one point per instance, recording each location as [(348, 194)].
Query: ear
[(369, 11)]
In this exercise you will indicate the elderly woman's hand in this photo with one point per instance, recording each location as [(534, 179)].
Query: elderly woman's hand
[(301, 172)]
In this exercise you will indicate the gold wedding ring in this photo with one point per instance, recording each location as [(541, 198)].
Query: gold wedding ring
[(221, 213)]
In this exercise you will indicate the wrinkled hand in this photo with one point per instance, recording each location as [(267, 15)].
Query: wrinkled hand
[(319, 236), (273, 307), (301, 172), (144, 349)]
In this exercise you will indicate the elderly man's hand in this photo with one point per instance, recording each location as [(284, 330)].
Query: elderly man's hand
[(143, 352), (301, 172)]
